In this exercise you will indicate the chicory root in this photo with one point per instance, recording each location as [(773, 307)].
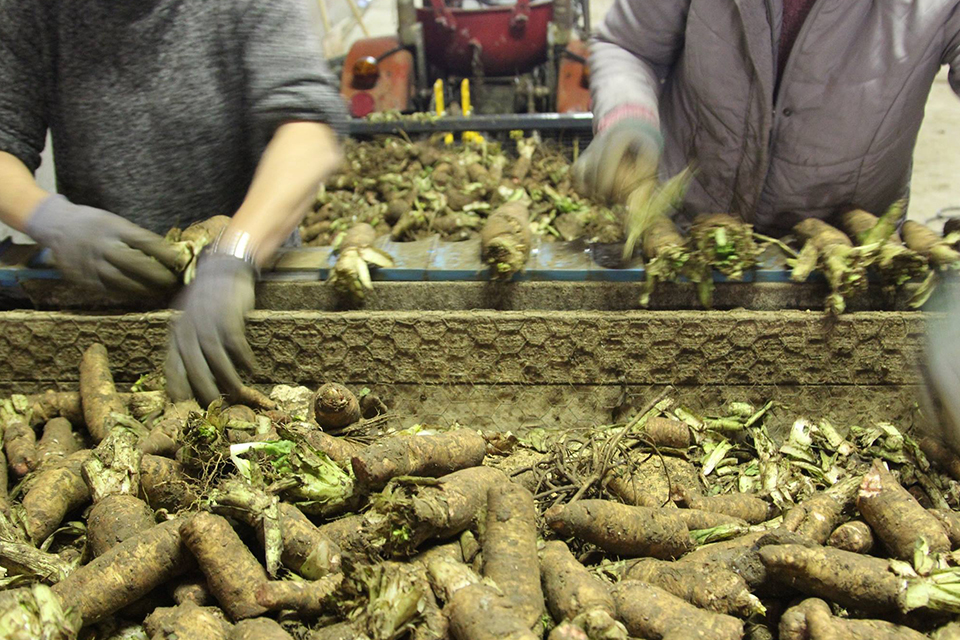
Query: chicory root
[(926, 242), (829, 249), (187, 621), (710, 588), (418, 455), (306, 597), (19, 441), (654, 481), (854, 536), (126, 573), (335, 407), (98, 393), (509, 543), (58, 442), (622, 529), (259, 629), (817, 516), (696, 519), (337, 449), (666, 432), (55, 492), (950, 521), (165, 485), (573, 594), (742, 506), (895, 516), (651, 612), (350, 276), (478, 612), (116, 518), (35, 612), (232, 572), (67, 404), (726, 243), (191, 587), (813, 620), (505, 240)]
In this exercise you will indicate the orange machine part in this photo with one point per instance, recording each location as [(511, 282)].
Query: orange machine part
[(394, 86), (573, 80)]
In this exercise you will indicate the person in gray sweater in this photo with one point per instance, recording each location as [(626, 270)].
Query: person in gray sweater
[(163, 113)]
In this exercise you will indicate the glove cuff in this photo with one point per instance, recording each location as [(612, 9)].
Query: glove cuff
[(45, 218), (629, 111), (224, 265)]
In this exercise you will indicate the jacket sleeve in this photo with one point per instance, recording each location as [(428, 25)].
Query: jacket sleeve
[(634, 49), (23, 126), (286, 77), (951, 55)]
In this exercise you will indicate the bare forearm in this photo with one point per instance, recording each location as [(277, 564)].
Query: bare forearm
[(298, 158), (19, 193)]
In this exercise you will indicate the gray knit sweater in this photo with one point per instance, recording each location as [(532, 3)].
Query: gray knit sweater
[(159, 109)]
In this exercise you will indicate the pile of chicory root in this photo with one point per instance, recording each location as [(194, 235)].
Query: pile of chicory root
[(311, 514), (507, 195)]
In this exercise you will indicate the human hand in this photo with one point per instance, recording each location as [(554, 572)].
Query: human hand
[(100, 250), (619, 159), (208, 338)]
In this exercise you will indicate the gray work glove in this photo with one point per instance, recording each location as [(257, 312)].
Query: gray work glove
[(101, 250), (942, 369), (620, 157), (207, 339)]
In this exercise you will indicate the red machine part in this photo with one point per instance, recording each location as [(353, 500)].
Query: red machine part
[(389, 88), (506, 40), (573, 79)]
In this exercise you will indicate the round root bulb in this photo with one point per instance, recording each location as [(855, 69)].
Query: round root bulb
[(335, 407), (165, 485), (854, 536), (191, 588)]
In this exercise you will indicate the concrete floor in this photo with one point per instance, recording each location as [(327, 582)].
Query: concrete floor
[(936, 170)]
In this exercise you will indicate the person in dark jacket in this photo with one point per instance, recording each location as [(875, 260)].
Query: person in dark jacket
[(164, 113)]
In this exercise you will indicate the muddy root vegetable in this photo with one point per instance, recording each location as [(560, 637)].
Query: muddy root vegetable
[(829, 249), (939, 453), (854, 536), (813, 620), (852, 580), (415, 455), (335, 407), (509, 545), (165, 485), (574, 594), (126, 573), (306, 597), (19, 441), (232, 572), (58, 442), (622, 529), (259, 629), (651, 612), (35, 612), (350, 276), (98, 393), (114, 466), (56, 492), (817, 516), (43, 407), (655, 481), (950, 521), (116, 518), (478, 612), (414, 512), (950, 631), (895, 262), (505, 240), (895, 516), (667, 256), (926, 242), (191, 587), (726, 242), (337, 449), (187, 621), (21, 559), (697, 519), (666, 432), (742, 506), (713, 589)]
